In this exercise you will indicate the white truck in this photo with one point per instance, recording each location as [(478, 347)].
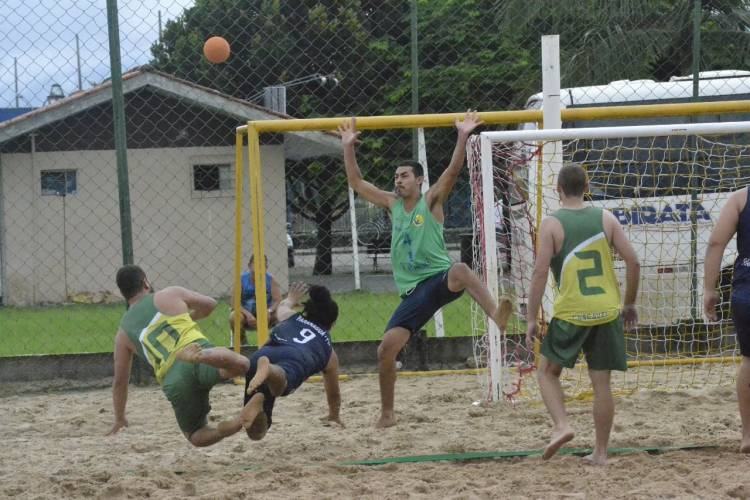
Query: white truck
[(667, 195)]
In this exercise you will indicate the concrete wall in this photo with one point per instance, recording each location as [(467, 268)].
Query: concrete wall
[(72, 370), (56, 246)]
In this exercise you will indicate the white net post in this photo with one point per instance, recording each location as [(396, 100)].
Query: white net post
[(552, 158), (422, 149), (641, 174), (496, 350), (355, 243)]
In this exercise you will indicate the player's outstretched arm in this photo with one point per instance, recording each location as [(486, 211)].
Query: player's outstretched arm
[(625, 250), (333, 394), (542, 262), (367, 190), (123, 361), (275, 294), (441, 190), (286, 308), (721, 234)]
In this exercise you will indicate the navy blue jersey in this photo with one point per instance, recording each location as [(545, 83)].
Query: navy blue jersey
[(311, 343), (741, 276)]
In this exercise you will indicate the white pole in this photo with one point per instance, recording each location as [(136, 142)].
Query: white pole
[(552, 150), (422, 152), (552, 158), (496, 358), (679, 129), (355, 244)]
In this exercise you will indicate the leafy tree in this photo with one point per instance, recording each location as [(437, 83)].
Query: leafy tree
[(483, 54), (361, 43)]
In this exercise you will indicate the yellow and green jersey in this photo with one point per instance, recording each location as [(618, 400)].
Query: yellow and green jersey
[(156, 336), (587, 290)]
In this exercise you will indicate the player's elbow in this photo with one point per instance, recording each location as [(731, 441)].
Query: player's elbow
[(210, 305), (540, 273), (714, 243), (633, 264)]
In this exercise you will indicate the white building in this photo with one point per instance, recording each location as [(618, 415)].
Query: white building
[(59, 203)]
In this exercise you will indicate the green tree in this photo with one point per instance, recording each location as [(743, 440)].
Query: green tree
[(360, 42), (483, 54)]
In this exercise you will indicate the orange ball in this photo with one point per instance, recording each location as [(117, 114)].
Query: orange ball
[(216, 49)]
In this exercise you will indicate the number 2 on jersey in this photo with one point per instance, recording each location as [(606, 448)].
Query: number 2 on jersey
[(590, 272)]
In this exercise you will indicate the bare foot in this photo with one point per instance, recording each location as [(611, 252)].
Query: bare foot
[(503, 313), (251, 410), (271, 374), (385, 421), (596, 459), (190, 353), (258, 428), (559, 438), (745, 446), (261, 374)]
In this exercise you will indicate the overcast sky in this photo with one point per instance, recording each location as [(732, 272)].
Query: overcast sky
[(41, 35)]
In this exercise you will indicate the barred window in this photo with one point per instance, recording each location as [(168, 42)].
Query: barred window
[(213, 177), (59, 182)]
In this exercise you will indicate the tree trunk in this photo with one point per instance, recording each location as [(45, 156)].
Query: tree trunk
[(323, 258)]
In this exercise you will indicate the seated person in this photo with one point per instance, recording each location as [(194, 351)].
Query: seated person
[(248, 306)]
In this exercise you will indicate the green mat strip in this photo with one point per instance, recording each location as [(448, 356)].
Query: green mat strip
[(484, 455)]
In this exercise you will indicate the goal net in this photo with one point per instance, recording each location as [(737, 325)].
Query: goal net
[(666, 185)]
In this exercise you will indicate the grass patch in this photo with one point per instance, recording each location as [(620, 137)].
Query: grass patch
[(82, 328)]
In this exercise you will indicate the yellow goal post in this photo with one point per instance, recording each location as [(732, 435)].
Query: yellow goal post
[(250, 134)]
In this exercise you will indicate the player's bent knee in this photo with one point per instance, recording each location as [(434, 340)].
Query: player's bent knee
[(392, 343), (548, 369), (195, 441), (460, 271), (387, 351)]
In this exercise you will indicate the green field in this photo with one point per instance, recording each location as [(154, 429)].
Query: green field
[(79, 328)]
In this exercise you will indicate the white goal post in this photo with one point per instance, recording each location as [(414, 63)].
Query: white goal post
[(658, 219)]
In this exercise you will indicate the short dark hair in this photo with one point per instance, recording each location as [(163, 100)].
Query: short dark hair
[(130, 280), (572, 179), (252, 258), (321, 309), (416, 167)]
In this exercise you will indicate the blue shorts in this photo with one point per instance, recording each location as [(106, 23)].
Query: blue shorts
[(741, 318), (251, 307), (417, 308)]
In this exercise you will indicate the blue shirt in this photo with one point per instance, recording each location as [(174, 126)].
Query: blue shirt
[(248, 291)]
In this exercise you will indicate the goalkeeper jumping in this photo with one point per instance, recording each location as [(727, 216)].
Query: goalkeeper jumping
[(426, 277)]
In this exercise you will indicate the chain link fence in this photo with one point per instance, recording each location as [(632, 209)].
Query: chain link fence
[(60, 218)]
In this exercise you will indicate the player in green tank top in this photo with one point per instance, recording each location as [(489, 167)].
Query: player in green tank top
[(576, 241), (425, 276), (160, 328)]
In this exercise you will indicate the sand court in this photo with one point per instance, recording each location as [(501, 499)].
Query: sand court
[(54, 447)]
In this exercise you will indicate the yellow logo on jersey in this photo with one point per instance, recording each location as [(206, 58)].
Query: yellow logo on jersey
[(418, 220)]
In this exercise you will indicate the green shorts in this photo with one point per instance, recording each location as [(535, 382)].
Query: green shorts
[(186, 386), (604, 345)]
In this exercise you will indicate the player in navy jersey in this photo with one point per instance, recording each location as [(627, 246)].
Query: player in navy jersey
[(299, 346), (734, 218)]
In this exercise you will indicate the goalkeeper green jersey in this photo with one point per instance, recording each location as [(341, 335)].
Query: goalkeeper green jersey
[(587, 290), (418, 247)]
